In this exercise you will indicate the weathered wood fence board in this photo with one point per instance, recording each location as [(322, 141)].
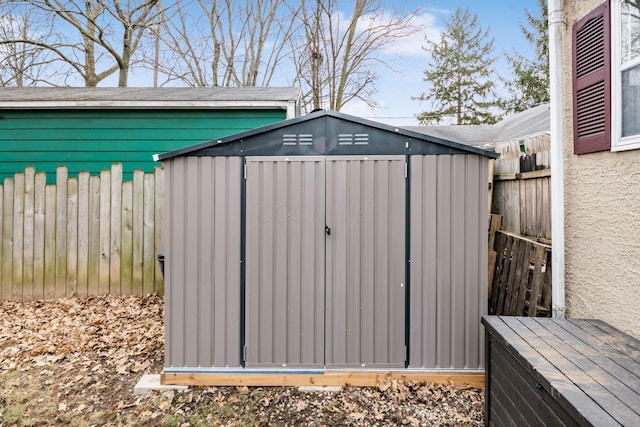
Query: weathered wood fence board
[(524, 201), (522, 186), (85, 235), (522, 277)]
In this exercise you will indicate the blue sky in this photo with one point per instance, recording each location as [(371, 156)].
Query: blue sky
[(395, 90)]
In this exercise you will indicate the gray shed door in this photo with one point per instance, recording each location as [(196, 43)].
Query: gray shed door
[(325, 261), (365, 262)]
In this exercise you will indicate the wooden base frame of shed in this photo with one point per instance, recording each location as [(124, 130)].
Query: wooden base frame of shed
[(320, 378), (558, 372)]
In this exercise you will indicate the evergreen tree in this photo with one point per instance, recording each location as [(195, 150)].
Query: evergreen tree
[(461, 75), (530, 84)]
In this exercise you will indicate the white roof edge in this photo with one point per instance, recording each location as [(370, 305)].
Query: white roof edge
[(520, 138), (36, 105)]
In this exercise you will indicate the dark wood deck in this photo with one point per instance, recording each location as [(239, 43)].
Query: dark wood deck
[(544, 371)]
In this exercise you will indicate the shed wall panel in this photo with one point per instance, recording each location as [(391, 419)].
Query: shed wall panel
[(458, 243), (474, 294), (444, 262), (285, 261), (365, 261), (202, 274), (482, 259), (423, 325), (448, 279)]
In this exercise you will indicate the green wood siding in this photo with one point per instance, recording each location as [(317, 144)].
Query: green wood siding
[(92, 139)]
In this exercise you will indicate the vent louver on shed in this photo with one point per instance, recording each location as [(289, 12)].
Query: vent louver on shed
[(591, 82), (297, 139), (353, 139)]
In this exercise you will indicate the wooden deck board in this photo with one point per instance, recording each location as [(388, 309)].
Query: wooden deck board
[(587, 367), (612, 395), (597, 355), (583, 330), (629, 342)]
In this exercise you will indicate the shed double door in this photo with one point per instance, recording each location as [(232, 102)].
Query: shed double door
[(325, 262)]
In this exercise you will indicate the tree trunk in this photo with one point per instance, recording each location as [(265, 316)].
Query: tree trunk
[(125, 59), (90, 76)]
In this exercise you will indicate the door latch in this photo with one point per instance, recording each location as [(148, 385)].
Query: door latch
[(327, 230)]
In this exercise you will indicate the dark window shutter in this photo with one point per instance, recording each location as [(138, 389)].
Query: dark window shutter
[(592, 82)]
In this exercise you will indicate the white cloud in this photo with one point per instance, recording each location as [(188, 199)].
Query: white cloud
[(412, 45), (399, 114), (358, 108)]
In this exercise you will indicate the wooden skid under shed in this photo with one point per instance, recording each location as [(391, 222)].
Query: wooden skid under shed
[(324, 378)]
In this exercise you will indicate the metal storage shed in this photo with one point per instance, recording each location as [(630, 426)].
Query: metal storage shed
[(324, 242)]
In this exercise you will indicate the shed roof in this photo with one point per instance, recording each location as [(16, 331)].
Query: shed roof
[(179, 97), (525, 124), (326, 133)]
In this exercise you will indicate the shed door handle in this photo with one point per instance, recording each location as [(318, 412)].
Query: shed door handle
[(327, 230)]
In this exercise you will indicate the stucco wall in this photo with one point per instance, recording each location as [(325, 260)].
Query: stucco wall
[(602, 217)]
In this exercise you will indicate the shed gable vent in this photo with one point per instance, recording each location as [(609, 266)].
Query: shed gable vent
[(351, 139), (297, 139)]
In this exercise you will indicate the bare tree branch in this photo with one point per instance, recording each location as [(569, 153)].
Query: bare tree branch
[(339, 54), (25, 59), (108, 34), (243, 43)]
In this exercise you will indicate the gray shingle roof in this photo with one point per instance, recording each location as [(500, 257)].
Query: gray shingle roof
[(39, 97), (531, 122)]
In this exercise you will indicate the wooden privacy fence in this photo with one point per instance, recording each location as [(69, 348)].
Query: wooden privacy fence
[(521, 284), (82, 236), (524, 201), (522, 187)]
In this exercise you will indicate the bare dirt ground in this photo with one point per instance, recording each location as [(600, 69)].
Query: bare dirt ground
[(75, 362)]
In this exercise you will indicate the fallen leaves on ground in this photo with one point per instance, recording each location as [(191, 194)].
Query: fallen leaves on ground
[(76, 361)]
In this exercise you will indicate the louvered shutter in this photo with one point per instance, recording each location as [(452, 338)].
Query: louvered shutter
[(592, 82)]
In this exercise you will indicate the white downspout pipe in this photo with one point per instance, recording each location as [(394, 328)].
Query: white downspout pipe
[(557, 157)]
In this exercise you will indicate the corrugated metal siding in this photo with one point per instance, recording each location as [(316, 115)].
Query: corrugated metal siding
[(448, 253), (202, 274), (92, 139), (366, 262), (285, 261)]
